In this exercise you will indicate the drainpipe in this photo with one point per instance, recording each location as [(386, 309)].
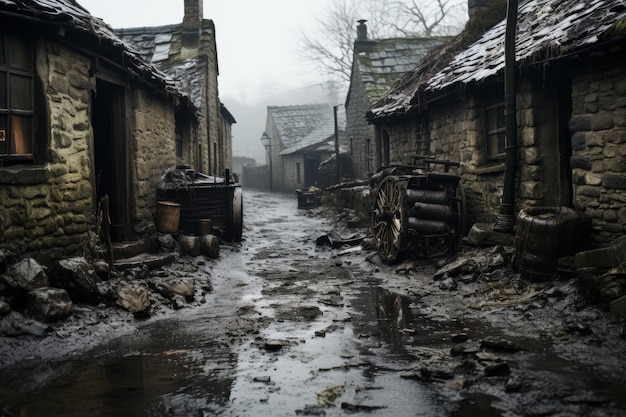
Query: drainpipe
[(506, 217), (337, 143)]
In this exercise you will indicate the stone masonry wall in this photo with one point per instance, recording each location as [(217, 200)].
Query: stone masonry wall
[(153, 135), (598, 126), (47, 210), (358, 129)]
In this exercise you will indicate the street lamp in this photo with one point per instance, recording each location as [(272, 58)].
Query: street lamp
[(267, 143)]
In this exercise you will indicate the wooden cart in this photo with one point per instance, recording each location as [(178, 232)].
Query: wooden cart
[(417, 212)]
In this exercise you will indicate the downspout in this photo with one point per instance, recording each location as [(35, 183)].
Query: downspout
[(506, 218), (336, 143)]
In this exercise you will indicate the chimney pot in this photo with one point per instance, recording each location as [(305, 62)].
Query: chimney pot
[(361, 30)]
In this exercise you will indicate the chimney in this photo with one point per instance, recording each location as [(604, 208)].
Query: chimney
[(361, 30), (192, 22)]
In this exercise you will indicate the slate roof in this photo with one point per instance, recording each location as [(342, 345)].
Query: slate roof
[(293, 123), (89, 30), (162, 46), (546, 30), (381, 62), (319, 137)]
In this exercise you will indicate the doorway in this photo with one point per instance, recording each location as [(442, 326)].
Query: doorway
[(111, 155)]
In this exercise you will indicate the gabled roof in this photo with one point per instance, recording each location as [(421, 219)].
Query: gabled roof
[(322, 134), (381, 62), (293, 123), (89, 30), (546, 30), (162, 46)]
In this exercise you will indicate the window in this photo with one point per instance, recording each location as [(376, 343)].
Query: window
[(298, 172), (17, 97), (495, 128)]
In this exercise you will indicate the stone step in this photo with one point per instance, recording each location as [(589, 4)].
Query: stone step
[(123, 250)]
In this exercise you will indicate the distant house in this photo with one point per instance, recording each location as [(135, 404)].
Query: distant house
[(376, 65), (82, 115), (304, 157), (187, 53), (571, 111), (292, 130)]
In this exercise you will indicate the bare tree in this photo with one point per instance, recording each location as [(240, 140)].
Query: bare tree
[(329, 48)]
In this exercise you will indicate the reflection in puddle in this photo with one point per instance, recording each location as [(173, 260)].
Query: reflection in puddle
[(173, 383)]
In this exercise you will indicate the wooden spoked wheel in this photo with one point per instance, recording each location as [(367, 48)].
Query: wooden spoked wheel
[(389, 218)]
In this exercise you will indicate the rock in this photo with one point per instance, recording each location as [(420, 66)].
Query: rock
[(612, 286), (210, 246), (181, 286), (78, 278), (178, 302), (607, 257), (167, 243), (27, 275), (460, 337), (5, 308), (448, 284), (134, 298), (497, 344), (48, 305), (499, 369), (189, 245), (16, 324), (102, 269), (514, 384), (483, 234)]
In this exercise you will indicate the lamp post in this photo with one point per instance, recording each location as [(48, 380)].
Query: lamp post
[(267, 143)]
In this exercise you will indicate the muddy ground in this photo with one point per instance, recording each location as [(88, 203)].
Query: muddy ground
[(281, 326)]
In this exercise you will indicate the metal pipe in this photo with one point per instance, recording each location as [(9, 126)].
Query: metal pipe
[(506, 218)]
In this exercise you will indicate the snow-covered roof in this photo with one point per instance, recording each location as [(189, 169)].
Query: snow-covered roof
[(546, 29), (293, 123), (94, 32), (323, 133), (162, 46), (381, 62)]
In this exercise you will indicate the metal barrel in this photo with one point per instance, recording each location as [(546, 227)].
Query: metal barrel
[(428, 227), (426, 196), (430, 211)]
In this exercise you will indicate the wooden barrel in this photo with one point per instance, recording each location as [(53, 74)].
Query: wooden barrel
[(545, 234), (167, 216)]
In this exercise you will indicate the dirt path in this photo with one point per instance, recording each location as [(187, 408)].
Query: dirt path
[(290, 328)]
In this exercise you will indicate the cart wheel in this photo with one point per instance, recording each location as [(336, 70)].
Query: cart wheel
[(389, 218), (237, 215)]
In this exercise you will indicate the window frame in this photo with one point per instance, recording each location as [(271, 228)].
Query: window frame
[(495, 124), (8, 111)]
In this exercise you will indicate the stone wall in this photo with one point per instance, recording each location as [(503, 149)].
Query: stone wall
[(257, 177), (290, 166), (153, 134), (598, 135), (47, 210), (598, 127), (358, 130)]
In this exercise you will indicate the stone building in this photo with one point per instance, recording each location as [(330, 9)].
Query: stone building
[(187, 53), (292, 129), (571, 110), (376, 65), (82, 115)]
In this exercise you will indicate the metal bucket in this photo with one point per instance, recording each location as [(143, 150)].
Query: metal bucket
[(205, 226), (167, 216)]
